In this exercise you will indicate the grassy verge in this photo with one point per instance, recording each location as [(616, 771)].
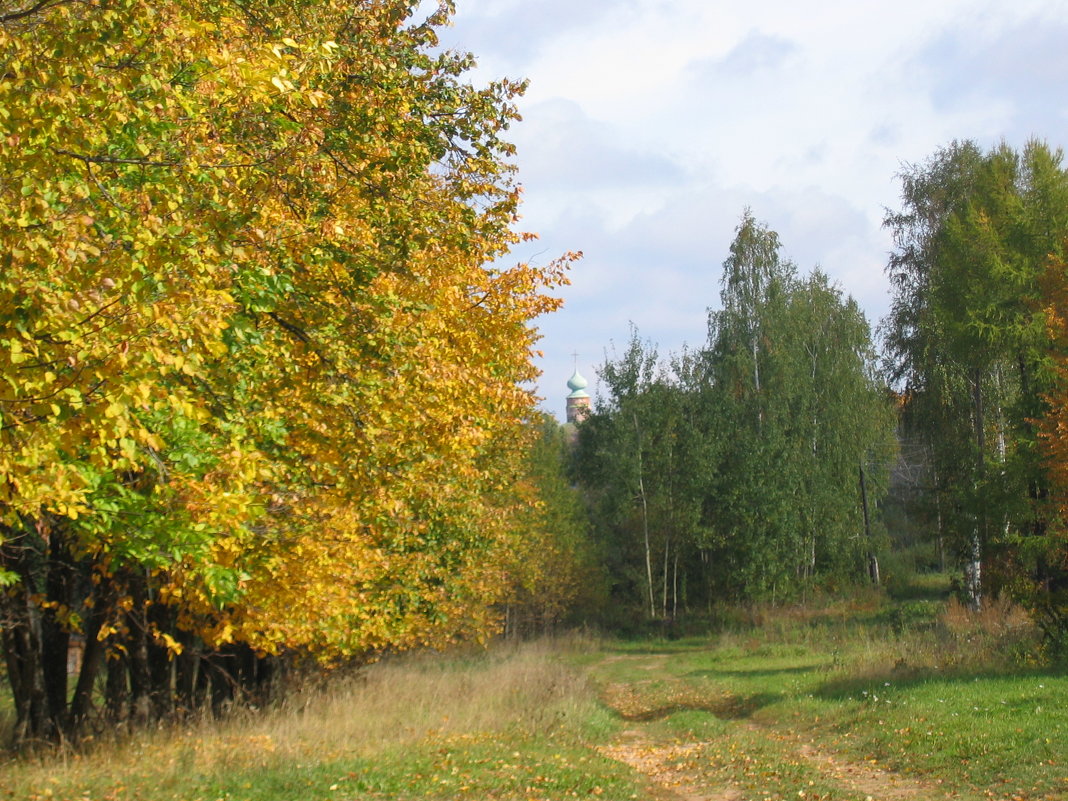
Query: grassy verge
[(912, 699), (514, 723)]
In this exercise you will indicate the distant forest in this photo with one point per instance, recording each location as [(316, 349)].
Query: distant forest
[(796, 451)]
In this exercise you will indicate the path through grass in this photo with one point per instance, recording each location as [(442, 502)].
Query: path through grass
[(842, 705), (827, 707)]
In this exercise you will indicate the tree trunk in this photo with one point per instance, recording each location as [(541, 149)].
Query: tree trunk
[(667, 564), (21, 653), (55, 638), (137, 653), (160, 665), (92, 655), (645, 523), (873, 560), (221, 669), (973, 570), (940, 527), (675, 587), (756, 385), (22, 552), (186, 669), (117, 690)]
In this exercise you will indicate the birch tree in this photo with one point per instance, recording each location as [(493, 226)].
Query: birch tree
[(798, 412), (635, 461), (967, 345)]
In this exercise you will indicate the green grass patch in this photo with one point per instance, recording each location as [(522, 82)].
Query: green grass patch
[(475, 766), (1008, 732), (930, 692)]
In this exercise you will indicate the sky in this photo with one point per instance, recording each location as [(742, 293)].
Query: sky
[(650, 125)]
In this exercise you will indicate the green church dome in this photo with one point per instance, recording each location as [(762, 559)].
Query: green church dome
[(577, 384)]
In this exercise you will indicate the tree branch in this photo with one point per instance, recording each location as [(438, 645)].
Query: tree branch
[(41, 5), (152, 163)]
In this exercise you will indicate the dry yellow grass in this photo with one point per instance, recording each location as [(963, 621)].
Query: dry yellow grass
[(522, 689), (995, 618)]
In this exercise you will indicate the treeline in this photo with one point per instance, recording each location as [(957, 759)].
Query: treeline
[(759, 465), (742, 470), (975, 344), (260, 383)]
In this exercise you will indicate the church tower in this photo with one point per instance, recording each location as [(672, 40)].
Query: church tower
[(578, 402)]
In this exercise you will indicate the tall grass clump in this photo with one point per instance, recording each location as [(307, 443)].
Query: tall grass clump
[(922, 630)]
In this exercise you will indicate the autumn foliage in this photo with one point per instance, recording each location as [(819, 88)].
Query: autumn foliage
[(261, 370), (976, 340), (1051, 595)]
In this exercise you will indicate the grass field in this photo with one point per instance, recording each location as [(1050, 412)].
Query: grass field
[(508, 723), (848, 700)]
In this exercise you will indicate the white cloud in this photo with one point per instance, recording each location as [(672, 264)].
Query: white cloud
[(563, 147), (650, 124)]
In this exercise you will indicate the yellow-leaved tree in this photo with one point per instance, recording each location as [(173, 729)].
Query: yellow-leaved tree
[(261, 370)]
